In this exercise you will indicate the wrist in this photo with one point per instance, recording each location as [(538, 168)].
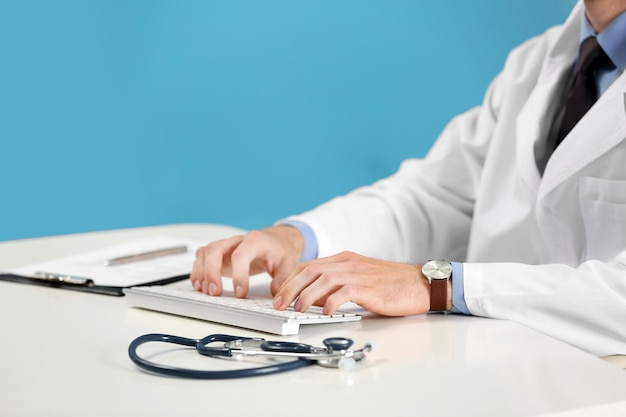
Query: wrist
[(309, 251), (291, 237)]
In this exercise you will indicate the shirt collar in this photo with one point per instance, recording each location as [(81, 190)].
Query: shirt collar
[(612, 38)]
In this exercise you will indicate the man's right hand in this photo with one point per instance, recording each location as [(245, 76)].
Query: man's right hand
[(275, 250)]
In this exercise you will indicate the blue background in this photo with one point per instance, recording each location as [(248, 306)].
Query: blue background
[(131, 113)]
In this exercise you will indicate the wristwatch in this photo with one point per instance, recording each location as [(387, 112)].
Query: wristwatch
[(438, 273)]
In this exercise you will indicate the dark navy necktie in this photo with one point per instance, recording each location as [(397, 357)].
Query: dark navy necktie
[(583, 92)]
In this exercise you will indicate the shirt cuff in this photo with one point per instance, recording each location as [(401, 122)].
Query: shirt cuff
[(310, 241), (458, 292)]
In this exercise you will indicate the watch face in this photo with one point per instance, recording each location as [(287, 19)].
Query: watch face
[(437, 269)]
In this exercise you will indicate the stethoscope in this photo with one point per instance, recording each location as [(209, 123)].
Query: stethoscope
[(335, 353)]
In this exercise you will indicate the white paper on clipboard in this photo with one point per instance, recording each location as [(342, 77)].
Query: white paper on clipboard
[(92, 265)]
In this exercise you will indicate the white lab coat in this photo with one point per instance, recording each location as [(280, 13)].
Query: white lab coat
[(547, 251)]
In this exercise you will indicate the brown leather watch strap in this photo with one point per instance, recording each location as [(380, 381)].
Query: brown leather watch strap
[(438, 294)]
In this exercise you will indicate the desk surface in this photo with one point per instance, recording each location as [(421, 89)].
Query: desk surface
[(65, 353)]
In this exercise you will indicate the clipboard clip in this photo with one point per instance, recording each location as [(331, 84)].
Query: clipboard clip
[(62, 279)]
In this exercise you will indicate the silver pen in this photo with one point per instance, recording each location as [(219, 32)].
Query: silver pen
[(144, 256)]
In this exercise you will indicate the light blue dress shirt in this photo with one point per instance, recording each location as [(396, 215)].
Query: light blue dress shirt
[(613, 41)]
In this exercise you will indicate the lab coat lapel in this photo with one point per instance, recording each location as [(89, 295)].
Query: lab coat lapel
[(535, 119), (601, 129), (537, 115)]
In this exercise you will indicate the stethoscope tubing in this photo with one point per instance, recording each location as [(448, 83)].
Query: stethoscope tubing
[(161, 369)]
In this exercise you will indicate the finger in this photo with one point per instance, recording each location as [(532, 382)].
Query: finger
[(340, 261), (281, 274), (278, 284), (303, 276), (210, 266), (334, 301), (251, 249), (196, 275), (327, 284), (212, 261)]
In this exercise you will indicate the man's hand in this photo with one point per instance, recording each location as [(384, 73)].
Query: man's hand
[(275, 250), (386, 288)]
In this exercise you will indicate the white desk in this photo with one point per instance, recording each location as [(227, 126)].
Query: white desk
[(64, 353)]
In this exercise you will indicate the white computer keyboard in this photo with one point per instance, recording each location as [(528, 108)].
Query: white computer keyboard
[(256, 313)]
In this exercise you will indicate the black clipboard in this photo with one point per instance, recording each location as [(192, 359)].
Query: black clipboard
[(86, 286)]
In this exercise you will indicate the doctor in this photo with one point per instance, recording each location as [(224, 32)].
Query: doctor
[(527, 212)]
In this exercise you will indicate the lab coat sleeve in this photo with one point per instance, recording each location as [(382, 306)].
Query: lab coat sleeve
[(421, 212), (584, 306)]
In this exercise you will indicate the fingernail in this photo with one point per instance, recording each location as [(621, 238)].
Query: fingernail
[(196, 285), (212, 289), (238, 291), (278, 301), (205, 287)]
